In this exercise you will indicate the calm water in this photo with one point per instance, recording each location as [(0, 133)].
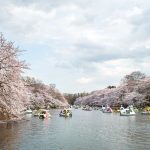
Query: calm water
[(84, 131)]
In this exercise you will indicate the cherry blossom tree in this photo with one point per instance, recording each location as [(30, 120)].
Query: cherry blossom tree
[(136, 75), (43, 96), (12, 90)]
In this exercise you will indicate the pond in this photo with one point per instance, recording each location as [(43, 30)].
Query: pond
[(85, 130)]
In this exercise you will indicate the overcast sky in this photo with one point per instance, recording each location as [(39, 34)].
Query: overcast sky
[(80, 45)]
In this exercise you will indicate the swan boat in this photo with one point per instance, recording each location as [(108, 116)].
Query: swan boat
[(107, 109), (129, 111), (146, 111), (44, 114), (28, 111), (65, 113)]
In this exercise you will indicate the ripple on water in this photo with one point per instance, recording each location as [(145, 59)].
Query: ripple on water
[(85, 130)]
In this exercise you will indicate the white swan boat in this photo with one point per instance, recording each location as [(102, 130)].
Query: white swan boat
[(102, 108), (107, 109), (129, 111), (28, 111)]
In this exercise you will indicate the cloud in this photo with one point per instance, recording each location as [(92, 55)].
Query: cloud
[(84, 80), (80, 39)]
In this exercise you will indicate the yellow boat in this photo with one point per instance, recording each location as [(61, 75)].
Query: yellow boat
[(116, 109), (65, 113), (146, 111)]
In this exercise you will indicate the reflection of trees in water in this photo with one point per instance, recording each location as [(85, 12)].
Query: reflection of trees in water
[(9, 136), (138, 132)]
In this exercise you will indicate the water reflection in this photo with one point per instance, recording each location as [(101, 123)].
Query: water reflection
[(85, 130), (9, 135)]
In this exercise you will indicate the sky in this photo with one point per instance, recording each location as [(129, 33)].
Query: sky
[(79, 45)]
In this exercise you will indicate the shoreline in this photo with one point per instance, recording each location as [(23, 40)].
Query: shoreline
[(9, 123)]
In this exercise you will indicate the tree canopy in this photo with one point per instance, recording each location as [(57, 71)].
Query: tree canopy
[(12, 93), (136, 75)]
